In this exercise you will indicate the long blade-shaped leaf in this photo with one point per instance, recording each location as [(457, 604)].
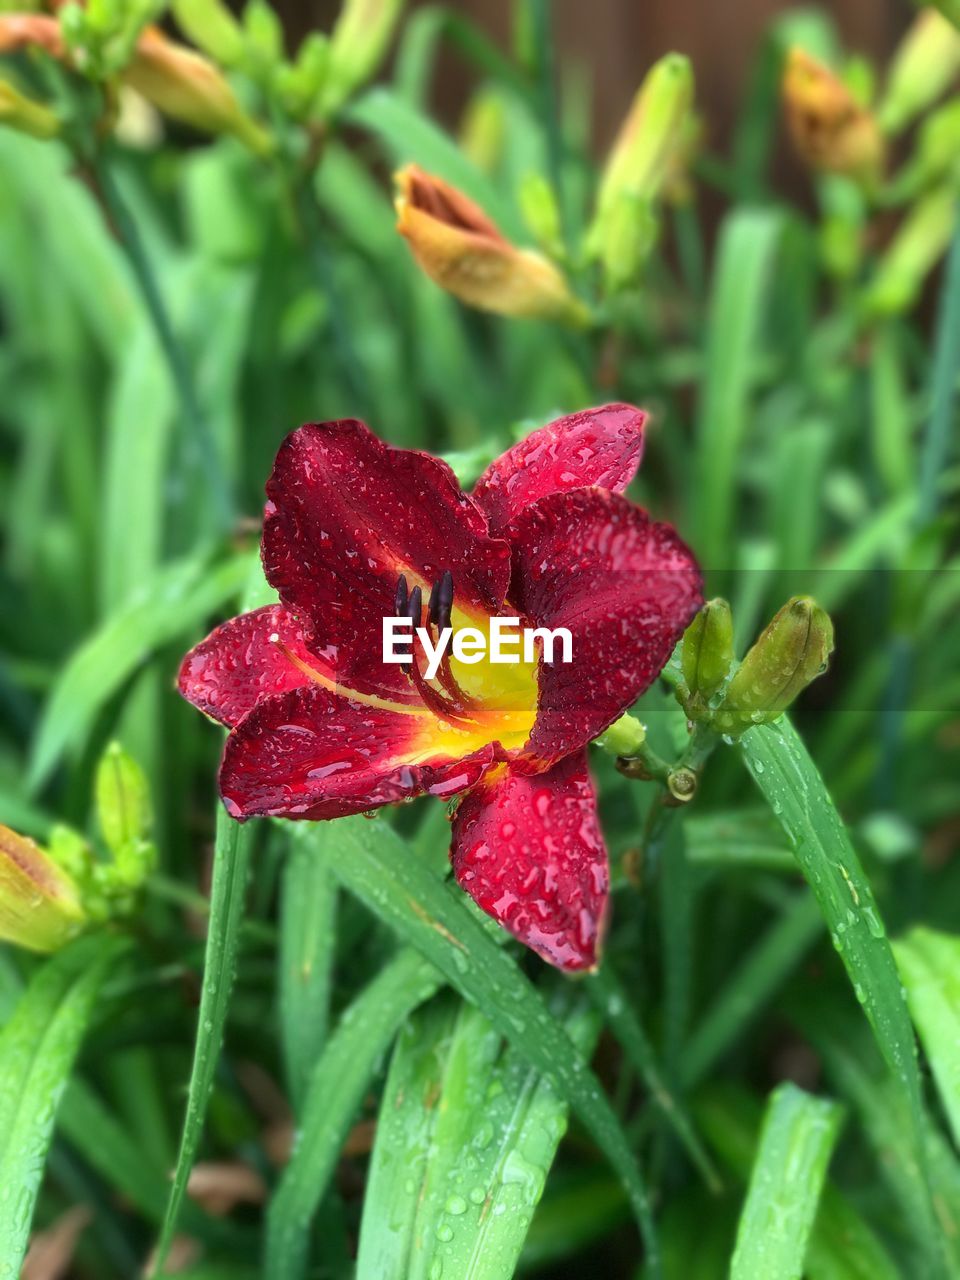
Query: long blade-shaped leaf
[(336, 1088), (746, 251), (796, 1143), (38, 1046), (426, 912), (174, 602), (930, 964), (781, 767), (468, 1131), (307, 942)]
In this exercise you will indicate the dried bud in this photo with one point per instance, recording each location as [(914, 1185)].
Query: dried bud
[(791, 652), (358, 43), (460, 249), (651, 135), (830, 129), (39, 904), (187, 87), (23, 114), (924, 65), (918, 245), (31, 30), (706, 656)]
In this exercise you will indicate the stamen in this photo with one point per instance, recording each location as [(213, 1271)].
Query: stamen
[(444, 600), (401, 597)]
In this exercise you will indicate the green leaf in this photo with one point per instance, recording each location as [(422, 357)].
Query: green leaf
[(610, 997), (340, 1078), (781, 767), (177, 600), (788, 779), (748, 241), (411, 137), (467, 1133), (307, 945), (797, 1140), (231, 862), (930, 967), (752, 985), (377, 867), (38, 1046)]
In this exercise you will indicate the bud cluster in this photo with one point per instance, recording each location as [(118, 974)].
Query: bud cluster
[(49, 895), (792, 651)]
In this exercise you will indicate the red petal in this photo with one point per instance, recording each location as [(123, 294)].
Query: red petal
[(598, 447), (625, 587), (347, 515), (312, 754), (227, 674), (529, 851)]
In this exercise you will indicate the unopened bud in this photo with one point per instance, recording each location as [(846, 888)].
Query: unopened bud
[(790, 653), (706, 656), (212, 28), (300, 85), (920, 242), (124, 814), (483, 129), (459, 248), (924, 65), (541, 213), (630, 233), (39, 904), (830, 130), (358, 43), (26, 116), (187, 87), (625, 737), (639, 162)]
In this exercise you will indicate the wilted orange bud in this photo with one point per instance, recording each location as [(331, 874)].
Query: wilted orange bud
[(465, 253), (39, 903), (26, 30), (829, 128), (186, 86)]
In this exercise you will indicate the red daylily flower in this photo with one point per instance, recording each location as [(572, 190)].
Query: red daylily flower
[(321, 727)]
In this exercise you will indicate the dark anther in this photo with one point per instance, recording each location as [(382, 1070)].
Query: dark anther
[(414, 606), (432, 604), (400, 599), (441, 600)]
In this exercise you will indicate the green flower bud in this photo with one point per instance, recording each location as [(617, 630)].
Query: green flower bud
[(357, 45), (641, 157), (936, 157), (916, 248), (212, 28), (706, 656), (264, 33), (790, 653), (625, 737), (123, 811), (538, 203), (26, 116), (630, 233), (39, 904), (123, 799), (924, 65)]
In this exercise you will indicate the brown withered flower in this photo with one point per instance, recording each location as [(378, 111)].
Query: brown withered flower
[(464, 252), (830, 130)]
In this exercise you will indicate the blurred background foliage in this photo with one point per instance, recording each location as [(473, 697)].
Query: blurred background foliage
[(198, 252)]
